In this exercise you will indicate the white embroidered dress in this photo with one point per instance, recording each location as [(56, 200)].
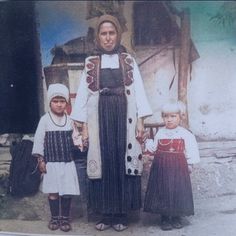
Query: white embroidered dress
[(61, 177)]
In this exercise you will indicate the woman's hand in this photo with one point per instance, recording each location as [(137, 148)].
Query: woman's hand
[(85, 137), (139, 130)]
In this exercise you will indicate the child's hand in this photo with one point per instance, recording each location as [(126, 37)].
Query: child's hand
[(145, 136), (85, 145), (150, 157), (149, 146), (42, 165), (85, 134), (190, 168)]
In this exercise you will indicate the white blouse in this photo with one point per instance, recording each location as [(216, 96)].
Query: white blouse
[(191, 146), (110, 61)]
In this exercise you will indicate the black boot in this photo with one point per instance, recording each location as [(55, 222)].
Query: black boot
[(165, 223), (65, 213), (176, 222), (54, 223)]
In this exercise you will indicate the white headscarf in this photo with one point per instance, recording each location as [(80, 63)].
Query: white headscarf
[(58, 90)]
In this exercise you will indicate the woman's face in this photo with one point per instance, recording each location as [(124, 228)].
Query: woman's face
[(107, 36), (171, 120)]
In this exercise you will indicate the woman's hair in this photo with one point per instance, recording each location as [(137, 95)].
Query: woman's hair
[(174, 106)]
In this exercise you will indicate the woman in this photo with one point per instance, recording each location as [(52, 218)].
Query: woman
[(111, 104)]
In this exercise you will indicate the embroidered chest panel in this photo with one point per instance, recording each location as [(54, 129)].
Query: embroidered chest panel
[(58, 146), (170, 145), (92, 68)]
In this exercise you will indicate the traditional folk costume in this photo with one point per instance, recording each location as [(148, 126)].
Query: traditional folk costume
[(169, 190), (110, 98), (53, 141)]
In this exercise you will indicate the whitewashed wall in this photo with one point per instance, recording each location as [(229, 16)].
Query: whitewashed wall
[(211, 92), (212, 96)]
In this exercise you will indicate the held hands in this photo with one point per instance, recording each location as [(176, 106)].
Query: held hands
[(149, 146), (80, 139), (140, 130), (85, 137)]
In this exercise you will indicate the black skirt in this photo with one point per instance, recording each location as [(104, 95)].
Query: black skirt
[(116, 192), (169, 190)]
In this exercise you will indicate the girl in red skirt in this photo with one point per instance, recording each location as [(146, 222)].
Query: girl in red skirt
[(169, 191)]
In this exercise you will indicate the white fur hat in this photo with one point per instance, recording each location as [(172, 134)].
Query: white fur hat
[(174, 106), (57, 90)]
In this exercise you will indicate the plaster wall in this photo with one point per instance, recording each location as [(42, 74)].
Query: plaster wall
[(211, 91)]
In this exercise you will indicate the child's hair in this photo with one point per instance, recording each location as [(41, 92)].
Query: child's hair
[(173, 106), (58, 90)]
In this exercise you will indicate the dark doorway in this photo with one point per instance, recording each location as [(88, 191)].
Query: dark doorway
[(19, 68), (152, 23)]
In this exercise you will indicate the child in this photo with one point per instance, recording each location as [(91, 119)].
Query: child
[(169, 191), (53, 148)]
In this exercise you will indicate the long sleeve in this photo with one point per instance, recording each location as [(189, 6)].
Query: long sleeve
[(143, 107), (79, 109), (38, 147), (191, 146), (191, 149), (149, 146)]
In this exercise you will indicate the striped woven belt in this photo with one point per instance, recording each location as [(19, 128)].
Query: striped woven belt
[(112, 91)]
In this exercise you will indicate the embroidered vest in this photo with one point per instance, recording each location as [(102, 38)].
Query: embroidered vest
[(133, 158), (92, 67)]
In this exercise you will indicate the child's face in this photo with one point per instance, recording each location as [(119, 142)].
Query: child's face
[(171, 120), (58, 105)]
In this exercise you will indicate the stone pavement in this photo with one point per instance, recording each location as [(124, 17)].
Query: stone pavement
[(213, 217), (214, 189)]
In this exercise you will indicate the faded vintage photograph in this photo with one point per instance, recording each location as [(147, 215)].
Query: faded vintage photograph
[(117, 117)]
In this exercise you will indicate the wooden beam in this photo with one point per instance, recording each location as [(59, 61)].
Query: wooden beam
[(185, 41)]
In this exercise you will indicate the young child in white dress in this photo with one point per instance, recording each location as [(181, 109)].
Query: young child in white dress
[(169, 191), (53, 148)]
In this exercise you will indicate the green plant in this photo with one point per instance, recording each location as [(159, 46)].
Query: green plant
[(226, 15)]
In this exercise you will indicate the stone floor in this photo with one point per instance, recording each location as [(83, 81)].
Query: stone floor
[(213, 217), (213, 182)]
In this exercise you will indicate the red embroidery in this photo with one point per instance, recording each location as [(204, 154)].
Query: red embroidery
[(130, 74), (89, 79), (128, 69), (93, 87), (128, 60), (171, 145), (93, 66), (90, 66), (92, 72)]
